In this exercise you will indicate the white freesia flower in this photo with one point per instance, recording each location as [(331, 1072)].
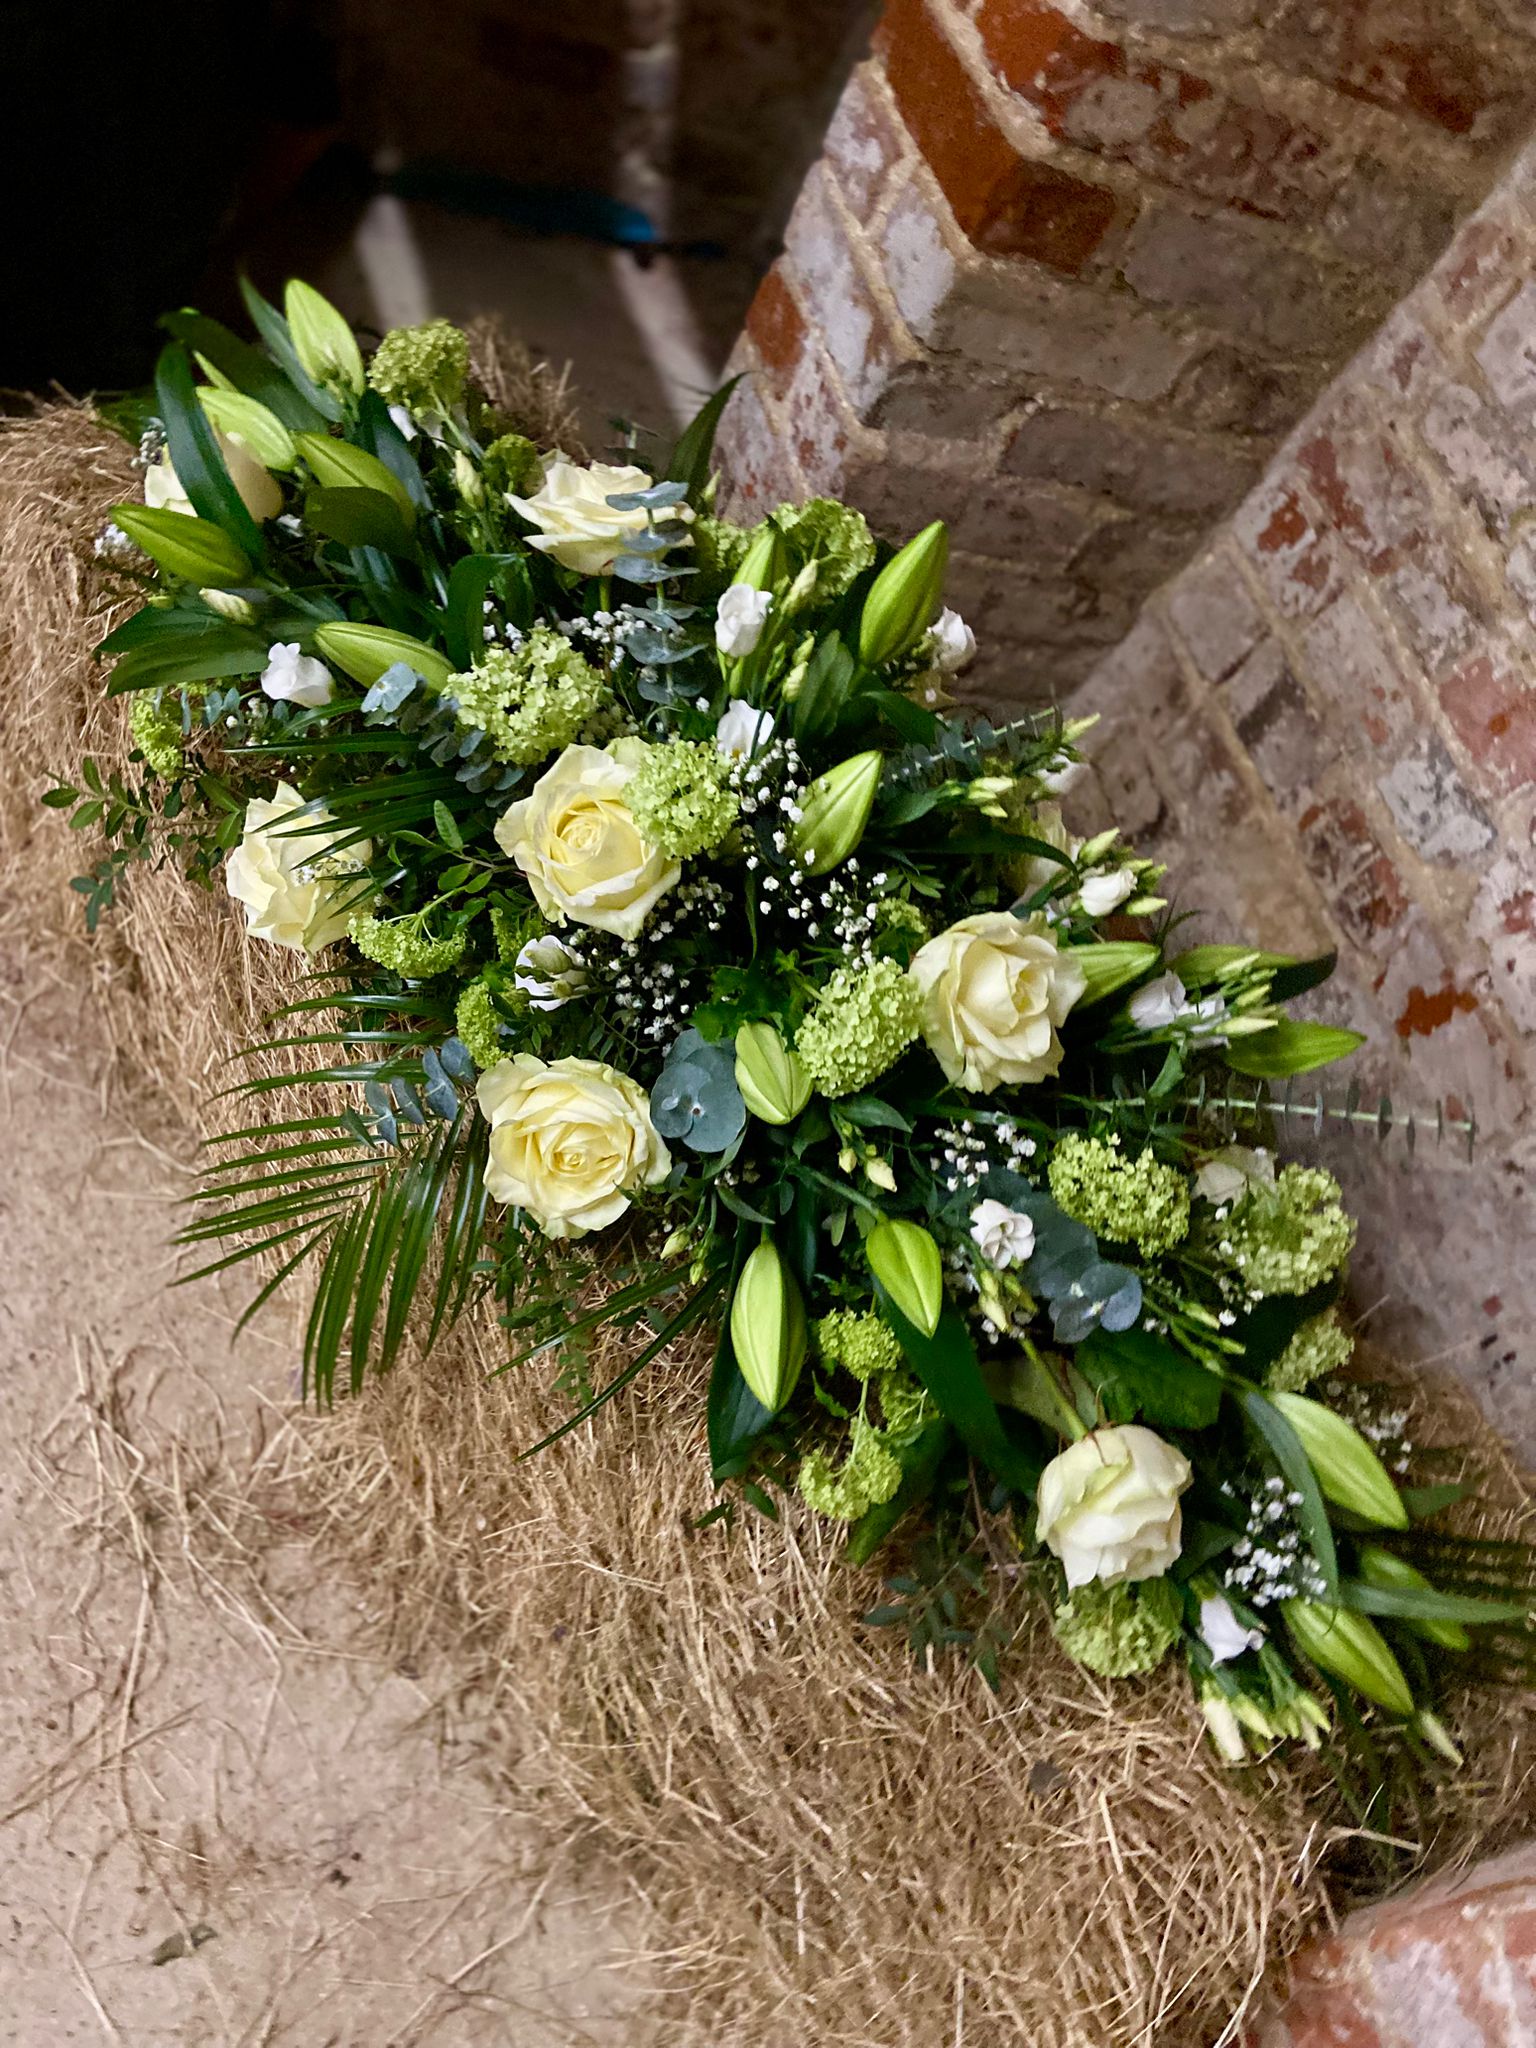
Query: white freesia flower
[(1159, 1004), (951, 642), (995, 990), (577, 842), (1227, 1175), (1105, 889), (549, 972), (297, 890), (740, 617), (294, 678), (576, 524), (1108, 1505), (1003, 1236), (260, 492), (743, 730), (1221, 1631), (571, 1140)]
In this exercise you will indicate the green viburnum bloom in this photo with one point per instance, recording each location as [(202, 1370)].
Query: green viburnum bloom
[(532, 699), (857, 1341), (1321, 1345), (1118, 1631), (480, 1026), (512, 929), (833, 536), (680, 797), (1289, 1236), (512, 463), (868, 1475), (905, 1405), (719, 547), (157, 733), (861, 1024), (423, 368), (1134, 1201), (404, 947)]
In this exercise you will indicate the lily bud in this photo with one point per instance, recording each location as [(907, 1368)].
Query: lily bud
[(836, 810), (248, 421), (1380, 1567), (184, 545), (905, 1260), (467, 480), (1352, 1648), (1438, 1736), (904, 597), (340, 465), (229, 605), (1348, 1470), (323, 342), (773, 1084), (764, 563), (365, 652), (768, 1327)]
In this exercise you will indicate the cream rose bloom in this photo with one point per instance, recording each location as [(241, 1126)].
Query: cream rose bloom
[(1108, 1506), (296, 891), (576, 524), (260, 492), (574, 839), (995, 988), (570, 1141)]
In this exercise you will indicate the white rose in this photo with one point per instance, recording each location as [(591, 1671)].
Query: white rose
[(576, 524), (1105, 889), (1003, 1236), (549, 972), (581, 850), (1159, 1004), (1221, 1631), (570, 1141), (294, 678), (740, 617), (1108, 1506), (260, 492), (951, 642), (1227, 1175), (995, 988), (297, 892), (743, 730)]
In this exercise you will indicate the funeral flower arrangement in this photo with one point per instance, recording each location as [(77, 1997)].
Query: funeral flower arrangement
[(680, 960)]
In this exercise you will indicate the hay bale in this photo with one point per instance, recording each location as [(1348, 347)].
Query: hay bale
[(835, 1848)]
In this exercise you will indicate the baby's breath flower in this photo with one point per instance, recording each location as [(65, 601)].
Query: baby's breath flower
[(422, 368), (1134, 1201), (862, 1023), (1289, 1237), (532, 699), (1116, 1630), (1321, 1345), (858, 1341), (680, 797)]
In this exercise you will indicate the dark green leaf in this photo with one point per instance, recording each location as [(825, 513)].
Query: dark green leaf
[(273, 329), (690, 459), (358, 518), (919, 1466), (947, 1365), (1161, 1384), (195, 453), (245, 367)]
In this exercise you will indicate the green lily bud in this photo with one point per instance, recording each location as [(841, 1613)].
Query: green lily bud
[(1109, 964), (323, 342), (905, 596), (764, 563), (248, 421), (905, 1260), (1352, 1648), (184, 545), (365, 652), (773, 1084), (229, 605), (836, 810), (1348, 1470), (1380, 1567), (768, 1327), (339, 465)]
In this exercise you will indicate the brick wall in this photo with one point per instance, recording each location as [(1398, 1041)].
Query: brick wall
[(1327, 724), (1066, 276)]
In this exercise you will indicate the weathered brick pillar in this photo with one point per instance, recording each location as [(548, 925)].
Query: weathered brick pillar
[(1065, 276)]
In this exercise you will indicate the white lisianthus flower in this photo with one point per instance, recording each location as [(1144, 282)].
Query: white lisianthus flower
[(1105, 889), (1227, 1175), (570, 1141), (549, 972), (951, 642), (1003, 1236), (1159, 1004), (743, 730), (995, 989), (576, 841), (740, 617), (297, 891), (576, 524), (1108, 1506), (1221, 1631), (260, 492), (293, 678)]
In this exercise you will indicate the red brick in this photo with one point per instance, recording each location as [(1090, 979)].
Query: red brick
[(1296, 559), (1355, 872), (1493, 707), (1414, 57), (1006, 204), (1320, 2016), (777, 325)]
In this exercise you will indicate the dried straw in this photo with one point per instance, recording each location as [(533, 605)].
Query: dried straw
[(837, 1848)]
